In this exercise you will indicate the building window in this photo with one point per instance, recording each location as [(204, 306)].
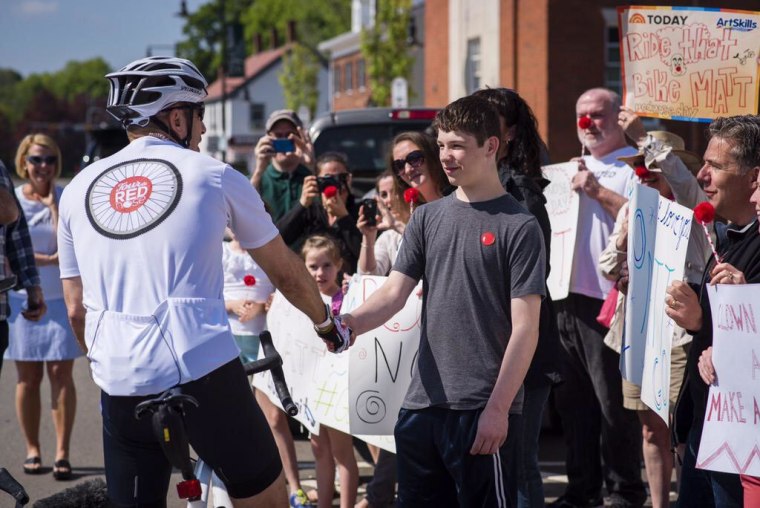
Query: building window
[(258, 117), (472, 65), (361, 74), (612, 59), (348, 81), (337, 78)]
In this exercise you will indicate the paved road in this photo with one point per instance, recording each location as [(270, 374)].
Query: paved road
[(87, 450)]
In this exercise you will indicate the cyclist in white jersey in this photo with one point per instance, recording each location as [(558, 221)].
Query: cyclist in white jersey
[(140, 247)]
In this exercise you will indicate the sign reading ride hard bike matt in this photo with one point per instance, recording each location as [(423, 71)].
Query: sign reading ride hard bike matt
[(689, 63)]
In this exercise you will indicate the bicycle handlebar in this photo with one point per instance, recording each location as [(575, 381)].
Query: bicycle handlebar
[(272, 361)]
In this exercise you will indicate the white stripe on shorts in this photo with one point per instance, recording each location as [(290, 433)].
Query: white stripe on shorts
[(501, 498)]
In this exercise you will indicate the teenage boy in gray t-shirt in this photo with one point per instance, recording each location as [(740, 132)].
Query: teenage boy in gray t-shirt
[(481, 258)]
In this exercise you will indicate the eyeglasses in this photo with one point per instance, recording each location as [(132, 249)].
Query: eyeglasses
[(414, 159), (38, 160)]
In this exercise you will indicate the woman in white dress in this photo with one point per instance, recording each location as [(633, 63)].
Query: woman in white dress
[(48, 344)]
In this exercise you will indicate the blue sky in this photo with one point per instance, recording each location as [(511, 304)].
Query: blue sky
[(42, 35)]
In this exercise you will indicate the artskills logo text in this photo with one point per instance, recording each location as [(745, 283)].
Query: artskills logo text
[(741, 25)]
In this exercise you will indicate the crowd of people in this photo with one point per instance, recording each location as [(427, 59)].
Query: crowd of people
[(461, 208)]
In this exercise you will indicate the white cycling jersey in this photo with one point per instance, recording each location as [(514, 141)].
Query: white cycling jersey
[(143, 229)]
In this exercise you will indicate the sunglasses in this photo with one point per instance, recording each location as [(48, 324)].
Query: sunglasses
[(414, 159), (200, 108), (39, 160)]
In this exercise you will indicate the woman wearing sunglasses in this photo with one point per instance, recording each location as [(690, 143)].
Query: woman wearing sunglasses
[(48, 342)]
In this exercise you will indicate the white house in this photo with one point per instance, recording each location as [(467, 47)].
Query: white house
[(248, 101)]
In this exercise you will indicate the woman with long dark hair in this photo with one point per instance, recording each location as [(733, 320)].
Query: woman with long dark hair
[(520, 157)]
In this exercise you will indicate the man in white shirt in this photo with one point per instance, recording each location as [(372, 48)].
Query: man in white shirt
[(140, 247), (590, 399)]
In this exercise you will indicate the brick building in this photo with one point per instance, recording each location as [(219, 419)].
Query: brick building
[(550, 51)]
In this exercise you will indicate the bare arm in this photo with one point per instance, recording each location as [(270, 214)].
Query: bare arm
[(72, 295), (382, 304), (8, 207), (288, 274), (493, 423), (585, 181)]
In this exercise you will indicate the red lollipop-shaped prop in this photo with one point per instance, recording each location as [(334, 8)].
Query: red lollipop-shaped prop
[(411, 196), (642, 172), (584, 122), (330, 191), (705, 213), (249, 280)]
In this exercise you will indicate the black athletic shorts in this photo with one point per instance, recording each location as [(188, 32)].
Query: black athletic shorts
[(228, 431)]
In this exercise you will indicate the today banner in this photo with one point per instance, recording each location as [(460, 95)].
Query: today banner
[(690, 63)]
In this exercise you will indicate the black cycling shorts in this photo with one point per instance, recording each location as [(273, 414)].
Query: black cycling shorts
[(228, 431)]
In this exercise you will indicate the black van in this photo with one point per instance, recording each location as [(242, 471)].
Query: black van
[(364, 135)]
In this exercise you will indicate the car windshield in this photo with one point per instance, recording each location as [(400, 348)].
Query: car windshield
[(365, 145)]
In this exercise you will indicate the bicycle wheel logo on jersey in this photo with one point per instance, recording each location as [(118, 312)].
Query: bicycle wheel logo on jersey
[(133, 197)]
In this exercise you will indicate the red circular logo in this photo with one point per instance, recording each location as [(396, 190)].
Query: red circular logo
[(487, 238), (131, 193)]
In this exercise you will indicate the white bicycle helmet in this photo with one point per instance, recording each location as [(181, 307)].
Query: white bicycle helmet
[(147, 86)]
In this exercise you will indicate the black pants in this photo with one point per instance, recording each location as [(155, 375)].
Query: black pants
[(590, 403), (227, 430), (435, 467)]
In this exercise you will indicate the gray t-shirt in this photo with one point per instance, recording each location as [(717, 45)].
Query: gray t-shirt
[(473, 258)]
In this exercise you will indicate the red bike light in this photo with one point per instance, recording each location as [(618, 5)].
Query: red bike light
[(189, 489)]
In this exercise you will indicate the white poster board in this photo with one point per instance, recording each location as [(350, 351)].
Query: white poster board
[(659, 231), (382, 361), (671, 242), (302, 353), (642, 227), (731, 434), (562, 206)]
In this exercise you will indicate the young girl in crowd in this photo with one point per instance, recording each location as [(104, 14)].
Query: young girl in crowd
[(323, 260), (246, 289)]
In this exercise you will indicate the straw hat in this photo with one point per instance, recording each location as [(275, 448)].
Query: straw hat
[(690, 159)]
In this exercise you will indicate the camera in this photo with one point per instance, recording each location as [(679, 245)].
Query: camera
[(324, 182), (283, 145), (370, 211)]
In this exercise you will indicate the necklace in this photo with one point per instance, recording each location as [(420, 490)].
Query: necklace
[(160, 135)]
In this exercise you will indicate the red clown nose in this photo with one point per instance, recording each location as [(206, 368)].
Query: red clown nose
[(330, 191), (584, 122)]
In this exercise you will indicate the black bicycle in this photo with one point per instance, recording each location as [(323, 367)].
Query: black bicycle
[(168, 412)]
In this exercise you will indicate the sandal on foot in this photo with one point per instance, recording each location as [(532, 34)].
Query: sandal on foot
[(33, 465), (62, 470)]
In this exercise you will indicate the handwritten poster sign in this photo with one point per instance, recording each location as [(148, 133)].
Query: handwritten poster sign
[(642, 227), (382, 361), (303, 354), (659, 231), (690, 63), (562, 206), (731, 435), (671, 242)]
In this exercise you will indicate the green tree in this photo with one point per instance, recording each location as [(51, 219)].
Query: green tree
[(203, 30), (385, 49), (316, 20), (79, 79), (299, 78)]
